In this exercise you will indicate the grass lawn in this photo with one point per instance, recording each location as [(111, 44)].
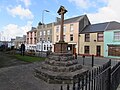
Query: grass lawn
[(29, 58)]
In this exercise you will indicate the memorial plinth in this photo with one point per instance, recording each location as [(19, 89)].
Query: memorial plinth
[(60, 67), (61, 47)]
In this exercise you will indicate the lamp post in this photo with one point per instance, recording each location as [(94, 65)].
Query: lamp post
[(42, 26), (43, 15)]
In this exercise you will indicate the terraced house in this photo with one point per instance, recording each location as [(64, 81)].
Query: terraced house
[(44, 36), (102, 39), (112, 40), (72, 28), (92, 40), (31, 39)]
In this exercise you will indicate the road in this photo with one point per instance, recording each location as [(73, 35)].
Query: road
[(98, 61)]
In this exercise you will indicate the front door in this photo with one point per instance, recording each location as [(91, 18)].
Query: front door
[(98, 51)]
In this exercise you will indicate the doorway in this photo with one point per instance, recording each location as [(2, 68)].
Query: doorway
[(98, 51)]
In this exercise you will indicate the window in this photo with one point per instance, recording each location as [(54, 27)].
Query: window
[(57, 38), (31, 34), (48, 32), (57, 29), (35, 34), (71, 27), (47, 47), (64, 28), (27, 35), (44, 47), (86, 49), (113, 50), (35, 41), (40, 33), (87, 37), (39, 46), (27, 40), (40, 39), (48, 38), (71, 37), (44, 32), (64, 37), (100, 37), (117, 36)]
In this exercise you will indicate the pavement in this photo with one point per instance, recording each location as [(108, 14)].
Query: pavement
[(21, 76)]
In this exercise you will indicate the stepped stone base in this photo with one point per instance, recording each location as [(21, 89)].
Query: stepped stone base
[(59, 68)]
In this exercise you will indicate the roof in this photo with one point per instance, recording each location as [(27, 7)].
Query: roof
[(73, 19), (33, 29), (101, 27), (113, 26)]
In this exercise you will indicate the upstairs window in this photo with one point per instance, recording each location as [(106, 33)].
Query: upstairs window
[(40, 39), (48, 32), (71, 27), (100, 37), (44, 32), (71, 37), (64, 37), (57, 38), (41, 33), (87, 37), (57, 29), (48, 38), (117, 36)]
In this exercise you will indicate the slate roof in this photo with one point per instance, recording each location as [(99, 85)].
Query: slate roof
[(113, 26), (70, 20), (101, 27)]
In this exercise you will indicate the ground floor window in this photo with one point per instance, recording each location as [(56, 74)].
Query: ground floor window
[(114, 50), (86, 49)]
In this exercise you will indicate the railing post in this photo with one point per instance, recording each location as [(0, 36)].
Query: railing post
[(92, 60), (73, 85), (68, 88), (109, 77), (78, 86), (61, 88), (83, 59)]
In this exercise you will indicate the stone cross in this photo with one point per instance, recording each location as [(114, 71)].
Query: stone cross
[(61, 12)]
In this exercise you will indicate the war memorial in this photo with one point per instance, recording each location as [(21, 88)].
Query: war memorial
[(60, 67)]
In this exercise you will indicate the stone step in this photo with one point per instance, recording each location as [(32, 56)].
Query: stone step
[(58, 77), (61, 57), (62, 68), (61, 63)]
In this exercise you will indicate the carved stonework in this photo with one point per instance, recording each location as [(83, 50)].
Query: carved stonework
[(60, 47), (59, 68)]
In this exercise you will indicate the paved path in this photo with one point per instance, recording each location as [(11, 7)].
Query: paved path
[(7, 60), (22, 78)]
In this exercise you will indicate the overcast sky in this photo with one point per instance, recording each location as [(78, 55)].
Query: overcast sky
[(18, 16)]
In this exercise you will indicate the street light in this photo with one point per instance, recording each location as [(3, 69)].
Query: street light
[(43, 15), (42, 26)]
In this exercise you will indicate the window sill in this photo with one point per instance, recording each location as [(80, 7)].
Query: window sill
[(116, 40)]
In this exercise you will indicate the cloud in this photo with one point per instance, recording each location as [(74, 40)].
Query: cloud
[(21, 12), (26, 2), (107, 13), (12, 30), (84, 4), (106, 10), (80, 3)]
